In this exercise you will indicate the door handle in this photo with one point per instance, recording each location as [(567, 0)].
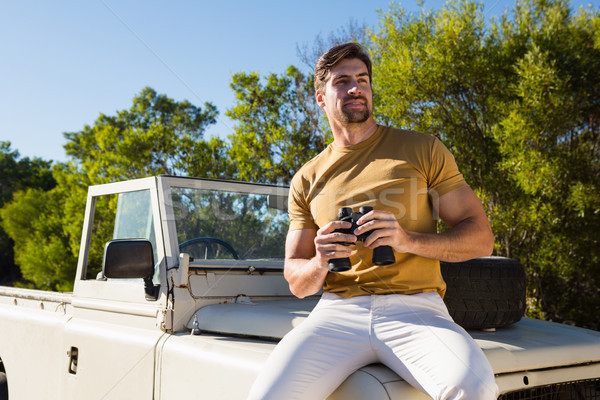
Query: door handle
[(73, 355)]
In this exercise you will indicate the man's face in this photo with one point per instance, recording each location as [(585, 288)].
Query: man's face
[(347, 96)]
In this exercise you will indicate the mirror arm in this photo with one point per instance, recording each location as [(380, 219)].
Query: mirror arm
[(151, 289)]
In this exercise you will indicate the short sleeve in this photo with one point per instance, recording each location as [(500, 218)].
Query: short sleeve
[(443, 176), (298, 207)]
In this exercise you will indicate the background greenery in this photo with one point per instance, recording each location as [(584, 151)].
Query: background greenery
[(516, 99)]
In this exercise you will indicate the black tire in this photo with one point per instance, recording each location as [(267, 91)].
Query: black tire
[(3, 387), (485, 293)]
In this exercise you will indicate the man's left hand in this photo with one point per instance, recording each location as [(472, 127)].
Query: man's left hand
[(386, 231)]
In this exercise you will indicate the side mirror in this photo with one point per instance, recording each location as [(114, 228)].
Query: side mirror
[(130, 259)]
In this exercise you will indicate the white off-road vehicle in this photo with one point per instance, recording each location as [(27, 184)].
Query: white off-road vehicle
[(179, 294)]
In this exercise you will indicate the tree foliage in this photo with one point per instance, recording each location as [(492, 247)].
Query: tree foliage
[(353, 31), (21, 173), (518, 103), (18, 174), (279, 126), (34, 219), (157, 135)]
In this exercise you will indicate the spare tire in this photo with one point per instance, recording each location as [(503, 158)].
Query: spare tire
[(485, 293)]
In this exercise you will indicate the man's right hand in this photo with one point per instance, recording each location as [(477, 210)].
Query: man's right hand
[(307, 255), (327, 242)]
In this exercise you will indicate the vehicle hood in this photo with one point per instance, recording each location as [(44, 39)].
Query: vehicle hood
[(533, 344), (529, 344)]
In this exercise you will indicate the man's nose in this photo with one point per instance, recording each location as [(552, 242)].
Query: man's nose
[(354, 88)]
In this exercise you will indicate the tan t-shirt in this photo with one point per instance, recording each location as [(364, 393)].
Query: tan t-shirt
[(399, 171)]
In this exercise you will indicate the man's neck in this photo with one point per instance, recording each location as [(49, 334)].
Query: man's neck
[(350, 134)]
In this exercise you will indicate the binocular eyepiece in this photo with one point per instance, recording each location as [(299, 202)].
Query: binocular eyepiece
[(382, 255)]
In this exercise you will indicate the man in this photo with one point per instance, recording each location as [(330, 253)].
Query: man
[(391, 314)]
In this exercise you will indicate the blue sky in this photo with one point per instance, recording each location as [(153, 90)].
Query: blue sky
[(62, 63)]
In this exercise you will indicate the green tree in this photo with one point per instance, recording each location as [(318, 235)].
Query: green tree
[(157, 135), (18, 174), (353, 31), (279, 126), (518, 102), (34, 219)]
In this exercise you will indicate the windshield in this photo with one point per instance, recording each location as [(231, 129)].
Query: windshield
[(229, 225)]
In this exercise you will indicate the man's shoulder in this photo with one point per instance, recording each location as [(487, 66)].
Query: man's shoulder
[(408, 143), (407, 135), (309, 168), (311, 164)]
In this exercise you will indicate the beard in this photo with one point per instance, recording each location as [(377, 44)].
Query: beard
[(354, 117)]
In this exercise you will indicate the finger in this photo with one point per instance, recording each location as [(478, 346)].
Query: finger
[(330, 246), (334, 250), (379, 237), (382, 241), (333, 225), (375, 215), (328, 233), (337, 254), (372, 238), (366, 218), (375, 225), (336, 237)]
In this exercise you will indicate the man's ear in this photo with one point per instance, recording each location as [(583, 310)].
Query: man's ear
[(320, 97)]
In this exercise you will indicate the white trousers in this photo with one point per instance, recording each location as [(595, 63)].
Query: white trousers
[(411, 334)]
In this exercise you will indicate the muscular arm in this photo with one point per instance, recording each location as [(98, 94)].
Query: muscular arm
[(469, 234)]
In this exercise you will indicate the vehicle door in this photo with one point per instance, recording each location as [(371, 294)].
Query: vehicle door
[(109, 344)]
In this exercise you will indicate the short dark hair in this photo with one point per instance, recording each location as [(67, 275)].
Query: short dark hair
[(334, 56)]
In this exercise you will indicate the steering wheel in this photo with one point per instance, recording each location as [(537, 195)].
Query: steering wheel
[(212, 247)]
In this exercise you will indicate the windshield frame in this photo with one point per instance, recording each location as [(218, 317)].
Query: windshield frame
[(167, 185)]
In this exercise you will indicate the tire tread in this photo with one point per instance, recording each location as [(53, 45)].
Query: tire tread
[(485, 293)]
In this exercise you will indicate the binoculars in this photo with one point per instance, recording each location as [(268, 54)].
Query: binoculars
[(382, 255)]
